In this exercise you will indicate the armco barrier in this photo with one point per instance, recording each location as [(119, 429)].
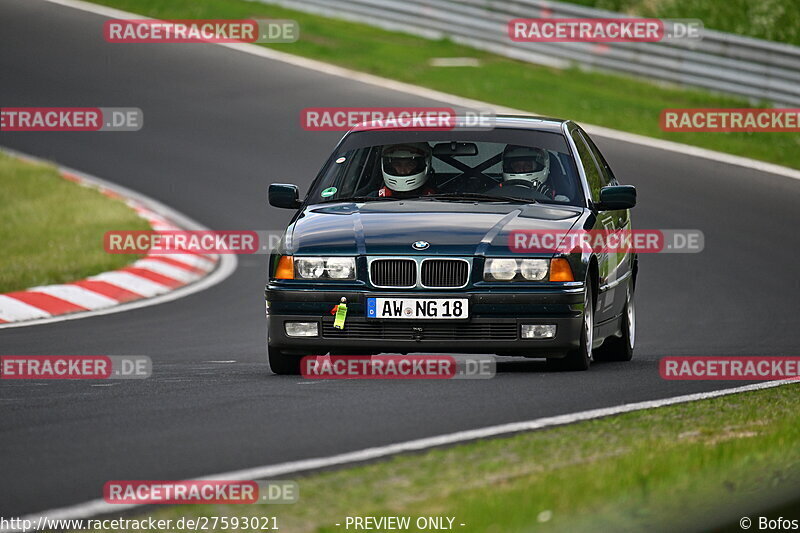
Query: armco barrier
[(753, 68)]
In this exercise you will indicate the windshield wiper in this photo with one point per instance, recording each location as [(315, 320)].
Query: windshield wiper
[(363, 199), (476, 196)]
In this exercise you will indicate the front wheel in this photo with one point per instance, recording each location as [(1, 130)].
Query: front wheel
[(581, 357), (283, 364), (621, 348)]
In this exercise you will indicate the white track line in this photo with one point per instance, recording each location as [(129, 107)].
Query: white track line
[(227, 262), (432, 94), (99, 506)]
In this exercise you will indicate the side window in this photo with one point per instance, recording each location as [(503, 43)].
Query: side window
[(593, 175), (605, 170)]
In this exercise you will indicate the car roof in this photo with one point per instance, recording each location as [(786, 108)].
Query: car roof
[(522, 122), (530, 122)]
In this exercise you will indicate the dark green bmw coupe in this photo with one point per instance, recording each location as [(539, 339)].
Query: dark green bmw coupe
[(418, 232)]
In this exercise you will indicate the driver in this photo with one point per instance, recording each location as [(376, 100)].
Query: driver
[(406, 169), (527, 166), (523, 165)]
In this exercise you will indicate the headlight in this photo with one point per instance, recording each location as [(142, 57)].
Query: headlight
[(325, 267), (309, 267), (533, 269), (506, 269), (500, 269), (340, 267)]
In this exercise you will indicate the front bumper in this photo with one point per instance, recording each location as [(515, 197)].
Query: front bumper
[(493, 326)]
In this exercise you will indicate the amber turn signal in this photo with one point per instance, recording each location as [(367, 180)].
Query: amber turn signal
[(560, 270), (285, 268)]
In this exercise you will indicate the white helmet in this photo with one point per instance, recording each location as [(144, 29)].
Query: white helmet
[(525, 163), (406, 167)]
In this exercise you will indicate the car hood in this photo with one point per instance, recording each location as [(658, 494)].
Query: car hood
[(390, 228)]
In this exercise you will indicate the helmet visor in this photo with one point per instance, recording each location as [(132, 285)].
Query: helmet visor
[(523, 164), (403, 165)]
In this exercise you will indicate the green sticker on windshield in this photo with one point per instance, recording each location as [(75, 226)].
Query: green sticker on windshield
[(330, 191)]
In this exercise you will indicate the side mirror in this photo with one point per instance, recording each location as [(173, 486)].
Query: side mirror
[(616, 197), (284, 195)]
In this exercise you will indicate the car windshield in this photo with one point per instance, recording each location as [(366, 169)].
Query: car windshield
[(451, 170)]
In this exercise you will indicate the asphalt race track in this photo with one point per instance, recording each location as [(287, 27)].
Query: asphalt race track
[(220, 125)]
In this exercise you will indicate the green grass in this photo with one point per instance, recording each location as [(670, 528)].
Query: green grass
[(668, 469), (52, 229), (613, 101), (774, 20)]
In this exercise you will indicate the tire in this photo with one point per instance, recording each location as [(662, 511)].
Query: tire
[(283, 364), (580, 358), (621, 348)]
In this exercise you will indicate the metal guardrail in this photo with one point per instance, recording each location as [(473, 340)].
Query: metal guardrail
[(753, 68)]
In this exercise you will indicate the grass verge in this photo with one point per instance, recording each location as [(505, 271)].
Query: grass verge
[(691, 466), (774, 20), (52, 229), (613, 101)]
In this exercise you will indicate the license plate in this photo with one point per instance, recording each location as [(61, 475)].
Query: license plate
[(417, 308)]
